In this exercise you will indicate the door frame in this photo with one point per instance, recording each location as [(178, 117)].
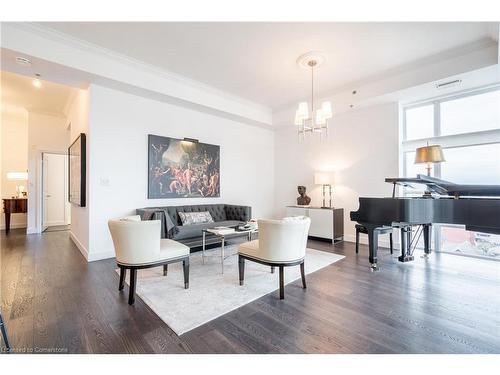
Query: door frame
[(39, 198)]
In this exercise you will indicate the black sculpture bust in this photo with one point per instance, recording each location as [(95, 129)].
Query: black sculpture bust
[(303, 199)]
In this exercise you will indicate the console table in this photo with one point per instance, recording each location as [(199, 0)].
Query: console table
[(326, 223), (13, 206)]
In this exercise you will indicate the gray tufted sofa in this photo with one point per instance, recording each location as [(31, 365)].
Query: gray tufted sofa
[(191, 235)]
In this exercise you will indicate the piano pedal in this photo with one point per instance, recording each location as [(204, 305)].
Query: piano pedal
[(406, 258), (374, 267)]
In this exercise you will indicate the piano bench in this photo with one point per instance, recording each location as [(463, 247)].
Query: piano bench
[(381, 230)]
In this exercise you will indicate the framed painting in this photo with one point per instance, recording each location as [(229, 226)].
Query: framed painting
[(182, 168), (77, 171)]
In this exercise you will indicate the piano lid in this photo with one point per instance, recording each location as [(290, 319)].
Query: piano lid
[(443, 187)]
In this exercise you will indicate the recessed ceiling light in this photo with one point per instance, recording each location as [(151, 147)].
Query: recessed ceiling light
[(23, 61), (36, 82)]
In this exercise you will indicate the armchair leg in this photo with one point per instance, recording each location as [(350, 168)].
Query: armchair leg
[(185, 267), (165, 269), (241, 266), (123, 274), (133, 281), (303, 275), (272, 269), (282, 282), (390, 241)]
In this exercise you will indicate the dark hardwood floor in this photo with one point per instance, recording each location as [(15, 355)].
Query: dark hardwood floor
[(53, 300)]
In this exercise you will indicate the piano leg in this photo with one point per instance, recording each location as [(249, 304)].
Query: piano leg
[(405, 244), (426, 228), (372, 246)]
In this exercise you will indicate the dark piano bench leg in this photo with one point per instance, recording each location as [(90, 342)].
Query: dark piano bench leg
[(373, 247), (357, 240)]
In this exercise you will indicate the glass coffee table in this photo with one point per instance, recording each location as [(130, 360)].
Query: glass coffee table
[(222, 235)]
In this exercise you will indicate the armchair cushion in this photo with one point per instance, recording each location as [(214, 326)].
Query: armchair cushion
[(250, 249), (280, 241), (170, 249)]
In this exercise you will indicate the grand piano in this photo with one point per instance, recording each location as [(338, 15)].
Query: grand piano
[(475, 206)]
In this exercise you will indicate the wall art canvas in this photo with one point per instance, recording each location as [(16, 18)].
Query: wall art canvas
[(77, 171), (182, 169)]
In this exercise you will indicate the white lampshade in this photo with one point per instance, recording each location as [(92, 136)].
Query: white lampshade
[(19, 176), (320, 117), (326, 108), (323, 178), (298, 119), (303, 110)]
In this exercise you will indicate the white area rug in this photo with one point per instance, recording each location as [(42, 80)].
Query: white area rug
[(210, 293)]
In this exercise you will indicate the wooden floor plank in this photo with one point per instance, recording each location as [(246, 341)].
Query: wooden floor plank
[(52, 299)]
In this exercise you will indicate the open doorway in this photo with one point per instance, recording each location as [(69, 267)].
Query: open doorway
[(56, 213)]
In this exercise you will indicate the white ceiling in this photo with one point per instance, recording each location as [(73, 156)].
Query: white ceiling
[(18, 91), (257, 61)]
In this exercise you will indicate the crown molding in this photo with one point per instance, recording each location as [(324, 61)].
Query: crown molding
[(463, 50), (93, 49)]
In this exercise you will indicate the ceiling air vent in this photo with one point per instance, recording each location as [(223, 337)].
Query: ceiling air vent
[(447, 85), (23, 61)]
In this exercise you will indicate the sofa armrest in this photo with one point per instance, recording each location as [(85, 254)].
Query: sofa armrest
[(240, 213), (167, 227)]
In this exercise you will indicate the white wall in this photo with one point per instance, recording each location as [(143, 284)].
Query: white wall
[(78, 117), (14, 158), (119, 126), (46, 133), (362, 150)]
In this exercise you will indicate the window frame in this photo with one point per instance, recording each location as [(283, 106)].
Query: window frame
[(475, 138)]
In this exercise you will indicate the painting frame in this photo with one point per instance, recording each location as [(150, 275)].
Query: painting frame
[(182, 168), (77, 171)]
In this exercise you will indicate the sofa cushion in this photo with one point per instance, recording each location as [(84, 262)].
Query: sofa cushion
[(195, 230), (190, 218)]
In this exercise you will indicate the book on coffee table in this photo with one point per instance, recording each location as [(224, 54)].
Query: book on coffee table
[(221, 231)]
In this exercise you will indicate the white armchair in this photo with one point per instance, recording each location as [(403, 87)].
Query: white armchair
[(138, 244), (281, 243)]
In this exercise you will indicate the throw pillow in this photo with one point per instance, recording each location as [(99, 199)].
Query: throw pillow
[(189, 218)]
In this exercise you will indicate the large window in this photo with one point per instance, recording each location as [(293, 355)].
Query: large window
[(467, 126)]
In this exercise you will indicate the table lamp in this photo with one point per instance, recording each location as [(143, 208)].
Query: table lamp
[(18, 176), (325, 179), (430, 155)]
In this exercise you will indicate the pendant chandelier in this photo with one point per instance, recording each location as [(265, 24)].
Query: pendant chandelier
[(313, 120)]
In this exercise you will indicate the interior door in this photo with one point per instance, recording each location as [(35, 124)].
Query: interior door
[(54, 190)]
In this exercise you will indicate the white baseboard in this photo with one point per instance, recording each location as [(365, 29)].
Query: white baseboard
[(80, 246), (94, 256), (55, 223), (383, 241), (13, 226), (101, 255)]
